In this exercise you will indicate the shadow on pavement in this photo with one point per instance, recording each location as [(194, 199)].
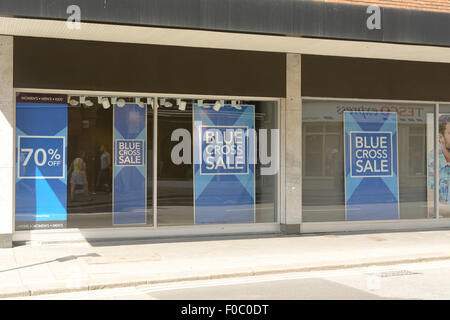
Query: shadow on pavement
[(63, 259)]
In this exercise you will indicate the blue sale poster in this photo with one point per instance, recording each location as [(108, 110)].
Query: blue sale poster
[(371, 179), (224, 187), (130, 170), (41, 162)]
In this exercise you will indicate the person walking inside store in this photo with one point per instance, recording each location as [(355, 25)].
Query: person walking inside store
[(78, 176), (104, 174)]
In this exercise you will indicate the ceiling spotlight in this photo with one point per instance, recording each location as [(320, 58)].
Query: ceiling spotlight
[(105, 103), (121, 103), (86, 102), (113, 100), (235, 105), (182, 105), (218, 105), (73, 102), (139, 102), (201, 105), (150, 102)]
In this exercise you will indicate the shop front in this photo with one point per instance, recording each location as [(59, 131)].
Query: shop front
[(371, 133), (131, 132), (115, 164), (91, 162)]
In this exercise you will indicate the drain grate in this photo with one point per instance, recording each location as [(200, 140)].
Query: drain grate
[(397, 273)]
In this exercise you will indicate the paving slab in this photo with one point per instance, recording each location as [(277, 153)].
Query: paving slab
[(54, 268)]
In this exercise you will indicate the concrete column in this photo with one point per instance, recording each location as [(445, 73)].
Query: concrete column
[(6, 141), (293, 146)]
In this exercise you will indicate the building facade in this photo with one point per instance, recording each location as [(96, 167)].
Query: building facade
[(421, 5), (172, 118)]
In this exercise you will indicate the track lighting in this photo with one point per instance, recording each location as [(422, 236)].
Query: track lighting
[(218, 105), (150, 102), (139, 102), (165, 103), (86, 102), (73, 102), (236, 104), (181, 105), (201, 105), (121, 103), (105, 103)]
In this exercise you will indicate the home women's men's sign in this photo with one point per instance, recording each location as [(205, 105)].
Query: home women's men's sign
[(371, 182), (223, 164), (41, 148), (130, 170)]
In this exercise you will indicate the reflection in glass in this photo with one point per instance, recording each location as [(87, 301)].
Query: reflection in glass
[(90, 161), (323, 157), (443, 164), (176, 180)]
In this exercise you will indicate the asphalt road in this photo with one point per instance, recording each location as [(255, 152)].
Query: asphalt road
[(429, 280)]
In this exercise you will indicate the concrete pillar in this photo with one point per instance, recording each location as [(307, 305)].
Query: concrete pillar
[(6, 141), (293, 146)]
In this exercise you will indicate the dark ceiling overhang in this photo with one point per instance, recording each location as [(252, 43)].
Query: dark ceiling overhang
[(280, 17)]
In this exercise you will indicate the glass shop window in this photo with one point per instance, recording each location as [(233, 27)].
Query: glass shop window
[(366, 160), (443, 164), (87, 161), (210, 170), (83, 161)]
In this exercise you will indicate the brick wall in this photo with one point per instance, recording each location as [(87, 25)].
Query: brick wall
[(424, 5)]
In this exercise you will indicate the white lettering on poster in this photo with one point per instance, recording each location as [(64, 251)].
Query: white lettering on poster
[(372, 154), (224, 150), (129, 153)]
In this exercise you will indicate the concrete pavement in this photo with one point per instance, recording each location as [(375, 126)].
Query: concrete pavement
[(53, 268)]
